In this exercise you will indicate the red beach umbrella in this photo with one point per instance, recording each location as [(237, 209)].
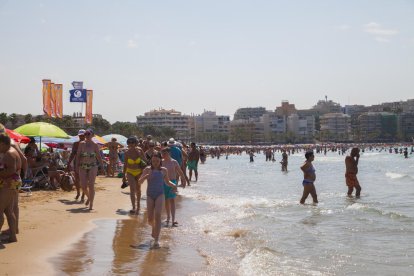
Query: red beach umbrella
[(17, 136)]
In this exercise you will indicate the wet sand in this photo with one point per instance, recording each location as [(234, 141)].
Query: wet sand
[(122, 247), (58, 235), (51, 221)]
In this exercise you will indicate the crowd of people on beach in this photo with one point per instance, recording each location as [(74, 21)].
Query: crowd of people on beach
[(163, 165)]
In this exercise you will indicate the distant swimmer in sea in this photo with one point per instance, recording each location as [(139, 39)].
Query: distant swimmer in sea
[(156, 176), (351, 163), (251, 154), (309, 177), (284, 161)]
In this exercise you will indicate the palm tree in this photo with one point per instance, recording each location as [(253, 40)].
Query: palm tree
[(28, 118), (3, 118), (13, 119)]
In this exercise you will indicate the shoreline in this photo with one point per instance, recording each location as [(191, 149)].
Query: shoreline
[(51, 221)]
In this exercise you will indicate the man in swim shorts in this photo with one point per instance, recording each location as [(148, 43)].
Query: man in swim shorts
[(351, 163), (192, 163), (113, 147)]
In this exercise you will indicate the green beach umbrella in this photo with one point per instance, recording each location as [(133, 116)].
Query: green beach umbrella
[(42, 129)]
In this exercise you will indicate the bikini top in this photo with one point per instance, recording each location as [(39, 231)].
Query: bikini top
[(88, 154), (311, 169), (132, 162)]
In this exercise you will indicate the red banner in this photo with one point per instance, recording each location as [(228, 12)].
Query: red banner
[(46, 98), (88, 112), (58, 100)]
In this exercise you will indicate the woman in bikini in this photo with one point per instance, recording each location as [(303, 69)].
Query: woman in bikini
[(309, 177), (174, 170), (133, 166), (156, 175), (86, 160)]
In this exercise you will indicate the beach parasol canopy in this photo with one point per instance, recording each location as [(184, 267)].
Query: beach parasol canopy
[(42, 129), (96, 138), (119, 138), (17, 136)]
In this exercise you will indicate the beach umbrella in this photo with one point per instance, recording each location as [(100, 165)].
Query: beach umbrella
[(96, 138), (17, 136), (42, 129), (120, 138)]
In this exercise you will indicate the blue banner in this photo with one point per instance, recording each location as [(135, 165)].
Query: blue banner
[(77, 95)]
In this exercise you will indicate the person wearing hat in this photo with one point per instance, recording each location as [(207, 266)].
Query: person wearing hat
[(81, 135)]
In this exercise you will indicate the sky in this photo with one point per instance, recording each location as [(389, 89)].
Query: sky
[(216, 55)]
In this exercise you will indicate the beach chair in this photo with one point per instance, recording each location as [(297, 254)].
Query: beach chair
[(27, 185), (39, 177)]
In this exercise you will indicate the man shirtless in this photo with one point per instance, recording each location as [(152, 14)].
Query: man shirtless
[(9, 182), (113, 147), (351, 163)]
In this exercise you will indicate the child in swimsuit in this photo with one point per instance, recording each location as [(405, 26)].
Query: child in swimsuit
[(156, 176)]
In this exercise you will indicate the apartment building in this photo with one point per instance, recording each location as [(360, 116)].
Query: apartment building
[(182, 124), (335, 127), (378, 126)]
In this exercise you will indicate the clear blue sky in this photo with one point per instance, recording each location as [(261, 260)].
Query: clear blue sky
[(214, 55)]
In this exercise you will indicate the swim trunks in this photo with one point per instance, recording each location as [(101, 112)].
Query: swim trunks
[(351, 180), (192, 165), (168, 191)]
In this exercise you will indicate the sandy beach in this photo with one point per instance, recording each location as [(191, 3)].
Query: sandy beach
[(50, 221)]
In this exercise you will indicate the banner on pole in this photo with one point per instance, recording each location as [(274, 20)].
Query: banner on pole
[(59, 100), (77, 84), (52, 100), (78, 95), (88, 111), (46, 98)]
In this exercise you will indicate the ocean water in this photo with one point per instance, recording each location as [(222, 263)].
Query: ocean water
[(254, 206), (244, 218)]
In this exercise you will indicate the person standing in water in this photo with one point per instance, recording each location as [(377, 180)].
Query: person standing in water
[(351, 164), (192, 163), (309, 177), (174, 171), (284, 161), (156, 176)]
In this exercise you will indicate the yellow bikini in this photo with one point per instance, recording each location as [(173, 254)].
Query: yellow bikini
[(134, 172)]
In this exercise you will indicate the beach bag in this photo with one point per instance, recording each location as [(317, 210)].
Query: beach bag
[(66, 183)]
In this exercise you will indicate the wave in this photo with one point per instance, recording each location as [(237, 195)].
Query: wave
[(397, 175), (370, 209), (266, 261)]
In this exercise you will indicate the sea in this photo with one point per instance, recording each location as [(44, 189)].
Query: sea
[(244, 218)]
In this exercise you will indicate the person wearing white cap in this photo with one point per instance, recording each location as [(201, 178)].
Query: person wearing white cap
[(81, 135)]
